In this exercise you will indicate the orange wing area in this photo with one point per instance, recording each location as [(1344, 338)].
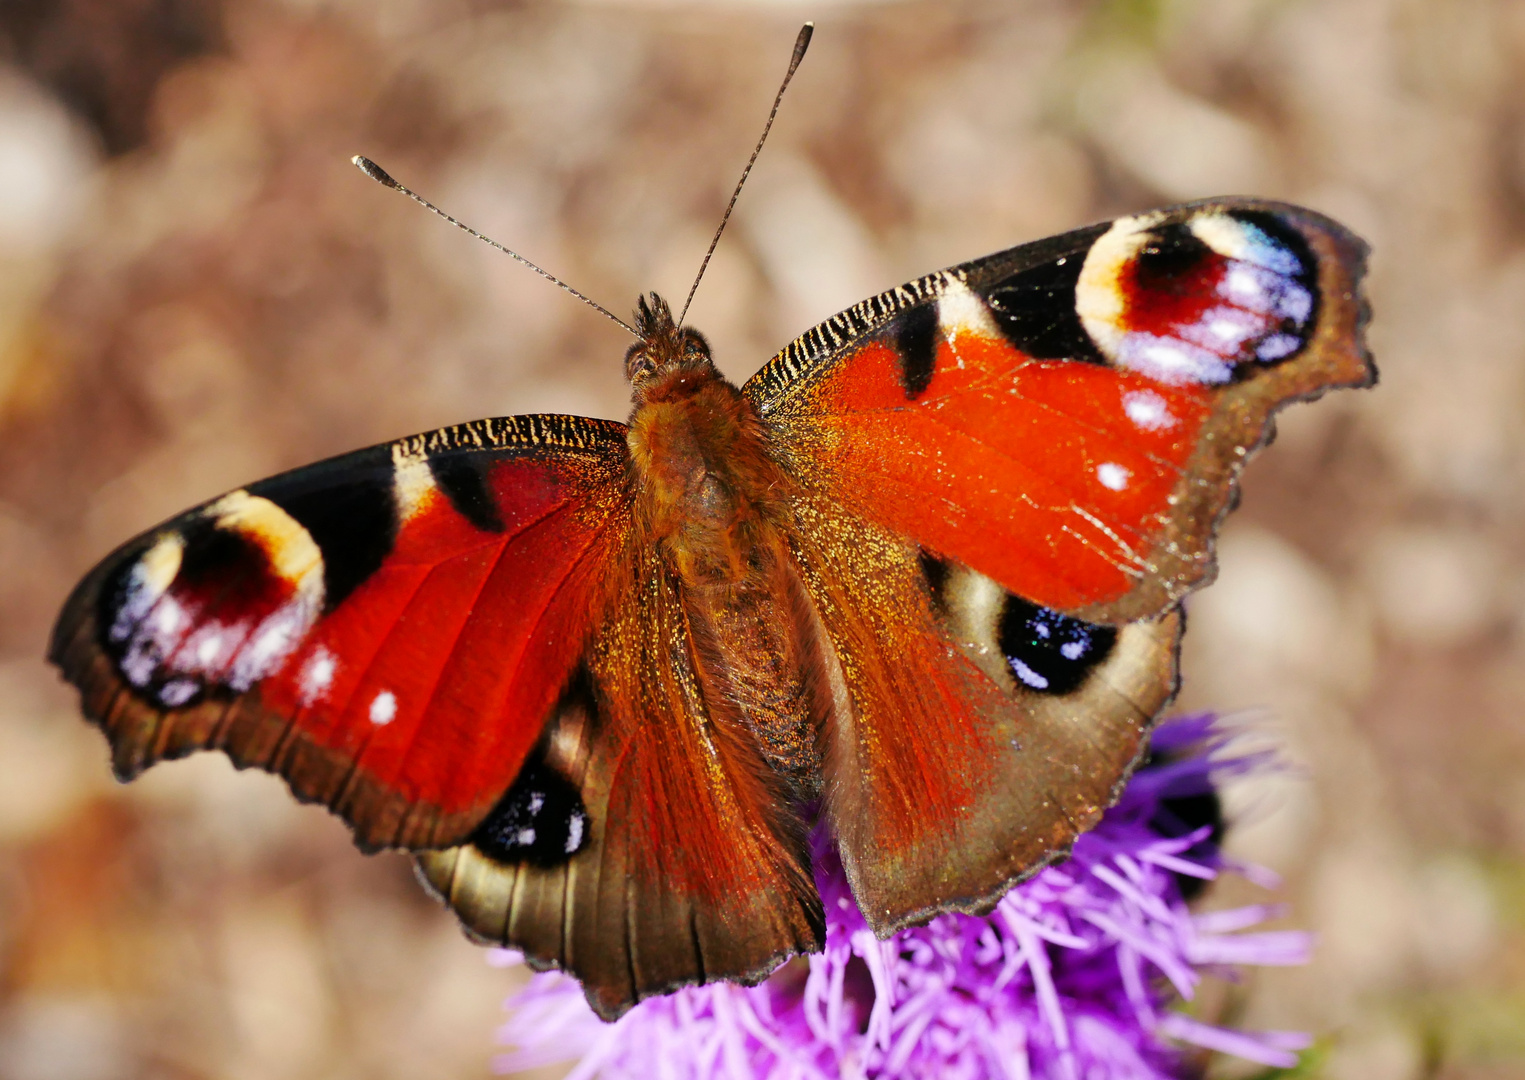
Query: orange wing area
[(1000, 463), (1009, 473), (691, 872), (1070, 417), (387, 630)]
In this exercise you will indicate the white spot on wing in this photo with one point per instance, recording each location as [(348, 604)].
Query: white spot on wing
[(383, 708), (1251, 287), (1170, 360), (1113, 476), (574, 832), (317, 675), (168, 617), (209, 648), (1277, 346), (1295, 303), (1148, 410), (177, 692)]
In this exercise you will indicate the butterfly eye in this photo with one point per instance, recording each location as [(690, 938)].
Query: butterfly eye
[(694, 346), (638, 363)]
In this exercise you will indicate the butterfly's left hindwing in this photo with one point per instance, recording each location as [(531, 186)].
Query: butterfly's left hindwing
[(976, 735), (386, 630)]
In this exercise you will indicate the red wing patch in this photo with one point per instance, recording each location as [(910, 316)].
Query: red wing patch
[(1032, 470)]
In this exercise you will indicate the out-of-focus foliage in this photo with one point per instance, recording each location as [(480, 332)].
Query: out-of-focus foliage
[(197, 289)]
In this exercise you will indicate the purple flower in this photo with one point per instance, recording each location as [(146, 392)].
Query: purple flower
[(1073, 975)]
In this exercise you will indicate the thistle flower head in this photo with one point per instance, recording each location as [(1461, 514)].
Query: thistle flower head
[(1074, 975)]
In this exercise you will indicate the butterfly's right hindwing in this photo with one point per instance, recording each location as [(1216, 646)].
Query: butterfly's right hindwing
[(687, 871)]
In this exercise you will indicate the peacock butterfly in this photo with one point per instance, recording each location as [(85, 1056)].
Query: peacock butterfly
[(920, 576)]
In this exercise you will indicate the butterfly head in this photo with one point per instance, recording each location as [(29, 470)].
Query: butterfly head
[(668, 357)]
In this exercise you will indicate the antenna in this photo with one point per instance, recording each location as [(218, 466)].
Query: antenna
[(380, 175), (801, 43)]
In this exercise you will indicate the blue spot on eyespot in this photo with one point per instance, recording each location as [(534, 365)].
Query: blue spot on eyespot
[(1048, 651), (1027, 674)]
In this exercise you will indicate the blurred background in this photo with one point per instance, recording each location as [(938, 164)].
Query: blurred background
[(197, 289)]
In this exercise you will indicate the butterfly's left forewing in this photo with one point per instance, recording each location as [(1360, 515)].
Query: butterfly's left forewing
[(1070, 417)]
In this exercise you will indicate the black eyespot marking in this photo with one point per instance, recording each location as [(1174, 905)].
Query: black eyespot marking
[(1035, 310), (916, 335), (349, 508), (463, 479), (541, 819), (1050, 652), (199, 633), (1166, 262), (935, 570)]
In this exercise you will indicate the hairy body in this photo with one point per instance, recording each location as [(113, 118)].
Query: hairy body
[(711, 499)]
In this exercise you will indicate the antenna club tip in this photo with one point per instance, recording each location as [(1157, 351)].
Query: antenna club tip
[(374, 171), (801, 43)]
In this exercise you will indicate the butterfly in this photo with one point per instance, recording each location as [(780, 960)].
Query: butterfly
[(919, 577), (918, 581)]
